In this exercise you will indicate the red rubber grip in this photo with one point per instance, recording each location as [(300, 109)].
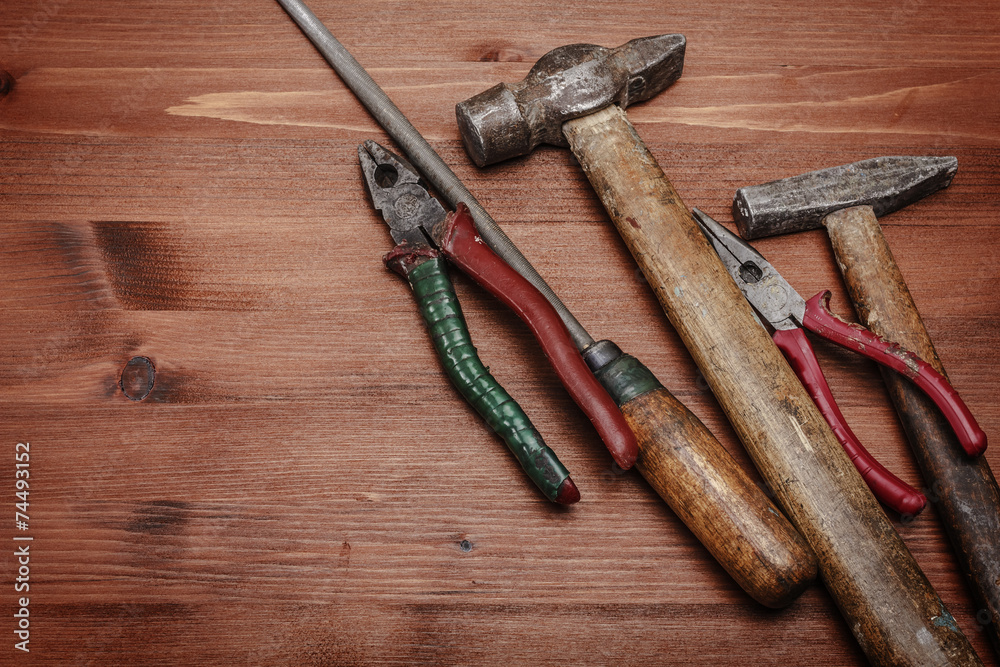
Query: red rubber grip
[(889, 489), (462, 245), (820, 320)]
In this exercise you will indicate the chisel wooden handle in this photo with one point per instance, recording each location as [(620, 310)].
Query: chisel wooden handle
[(704, 486), (963, 489), (887, 601)]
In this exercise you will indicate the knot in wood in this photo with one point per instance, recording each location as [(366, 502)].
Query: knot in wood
[(137, 378)]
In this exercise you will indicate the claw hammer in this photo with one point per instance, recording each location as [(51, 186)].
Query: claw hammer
[(575, 96)]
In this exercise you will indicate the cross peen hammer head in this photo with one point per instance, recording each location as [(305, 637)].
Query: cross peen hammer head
[(510, 119), (801, 202)]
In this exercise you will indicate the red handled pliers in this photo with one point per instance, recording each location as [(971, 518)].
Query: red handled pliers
[(789, 314), (418, 222)]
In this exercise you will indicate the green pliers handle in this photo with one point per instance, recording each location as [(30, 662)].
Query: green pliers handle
[(442, 313)]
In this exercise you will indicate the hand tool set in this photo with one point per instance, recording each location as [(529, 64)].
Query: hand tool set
[(679, 457), (712, 286)]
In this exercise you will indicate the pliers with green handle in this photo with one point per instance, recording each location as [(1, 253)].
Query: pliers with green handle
[(425, 233)]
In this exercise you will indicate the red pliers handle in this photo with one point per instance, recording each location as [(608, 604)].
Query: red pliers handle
[(462, 245), (822, 322), (789, 314), (889, 489)]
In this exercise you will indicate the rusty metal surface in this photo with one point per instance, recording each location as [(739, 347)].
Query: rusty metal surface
[(572, 81), (770, 294), (424, 157), (412, 214), (801, 202)]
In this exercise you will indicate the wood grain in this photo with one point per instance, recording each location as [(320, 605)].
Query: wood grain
[(966, 488), (718, 501), (295, 489), (891, 607)]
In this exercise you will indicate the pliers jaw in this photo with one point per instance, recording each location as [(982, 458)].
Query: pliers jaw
[(763, 286), (413, 215)]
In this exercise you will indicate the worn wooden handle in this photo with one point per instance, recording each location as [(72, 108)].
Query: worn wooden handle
[(963, 489), (886, 599), (697, 477), (718, 501)]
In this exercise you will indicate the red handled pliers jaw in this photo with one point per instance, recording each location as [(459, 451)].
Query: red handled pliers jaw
[(784, 310), (770, 294), (788, 314)]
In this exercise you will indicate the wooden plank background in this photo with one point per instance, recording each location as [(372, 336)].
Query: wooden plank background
[(179, 181)]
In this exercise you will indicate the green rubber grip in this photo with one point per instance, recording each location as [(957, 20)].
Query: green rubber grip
[(443, 316), (622, 375)]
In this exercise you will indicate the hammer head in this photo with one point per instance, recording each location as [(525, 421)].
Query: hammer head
[(510, 119), (801, 202)]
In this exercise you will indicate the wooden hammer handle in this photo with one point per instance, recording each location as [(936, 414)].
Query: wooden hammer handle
[(886, 599), (963, 489)]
